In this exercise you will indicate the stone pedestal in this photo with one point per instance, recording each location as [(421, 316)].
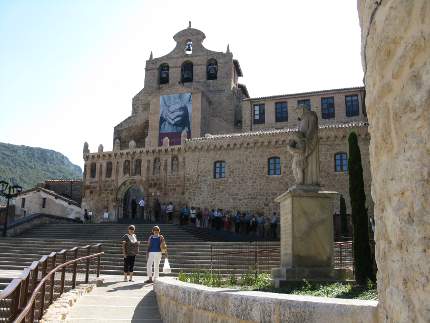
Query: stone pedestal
[(306, 236)]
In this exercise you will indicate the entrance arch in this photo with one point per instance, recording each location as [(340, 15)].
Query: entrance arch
[(128, 196), (130, 203)]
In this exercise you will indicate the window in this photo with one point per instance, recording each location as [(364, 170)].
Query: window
[(187, 72), (157, 165), (327, 108), (175, 165), (23, 203), (43, 202), (341, 162), (137, 167), (274, 166), (163, 74), (93, 170), (259, 116), (219, 169), (351, 104), (126, 168), (109, 169), (281, 111), (212, 69), (305, 102)]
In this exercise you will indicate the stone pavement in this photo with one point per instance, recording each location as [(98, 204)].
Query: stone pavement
[(117, 301)]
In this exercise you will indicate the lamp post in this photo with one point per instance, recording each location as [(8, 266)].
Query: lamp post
[(8, 191)]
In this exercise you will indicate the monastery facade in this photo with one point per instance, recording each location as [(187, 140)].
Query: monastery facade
[(196, 137)]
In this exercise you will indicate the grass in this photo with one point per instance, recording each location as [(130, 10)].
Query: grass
[(262, 282)]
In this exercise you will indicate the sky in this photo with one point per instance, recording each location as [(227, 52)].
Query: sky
[(70, 68)]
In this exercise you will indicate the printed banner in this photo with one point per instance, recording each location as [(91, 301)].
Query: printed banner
[(175, 117)]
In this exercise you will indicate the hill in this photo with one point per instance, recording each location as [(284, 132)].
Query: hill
[(28, 166)]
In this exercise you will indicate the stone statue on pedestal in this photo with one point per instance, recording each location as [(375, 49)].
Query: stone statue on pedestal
[(305, 149)]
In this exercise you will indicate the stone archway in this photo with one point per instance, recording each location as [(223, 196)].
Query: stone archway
[(128, 197)]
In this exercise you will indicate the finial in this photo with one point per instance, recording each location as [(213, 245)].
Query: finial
[(151, 56), (228, 49), (189, 24)]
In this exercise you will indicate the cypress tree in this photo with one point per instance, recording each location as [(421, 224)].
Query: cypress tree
[(343, 217), (362, 256)]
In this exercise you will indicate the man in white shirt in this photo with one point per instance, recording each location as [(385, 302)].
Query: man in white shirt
[(142, 207)]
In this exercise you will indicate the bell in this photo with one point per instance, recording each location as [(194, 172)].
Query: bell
[(189, 47)]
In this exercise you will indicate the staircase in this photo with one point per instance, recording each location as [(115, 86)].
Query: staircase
[(188, 250)]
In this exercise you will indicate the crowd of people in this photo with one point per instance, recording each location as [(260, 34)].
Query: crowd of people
[(258, 224)]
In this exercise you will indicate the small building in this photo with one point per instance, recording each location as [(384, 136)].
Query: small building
[(39, 200), (69, 188)]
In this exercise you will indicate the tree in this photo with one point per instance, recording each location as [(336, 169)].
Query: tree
[(363, 263), (343, 216)]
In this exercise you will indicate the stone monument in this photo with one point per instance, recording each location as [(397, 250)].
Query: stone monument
[(306, 211)]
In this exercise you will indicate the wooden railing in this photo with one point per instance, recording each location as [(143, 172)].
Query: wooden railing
[(26, 298)]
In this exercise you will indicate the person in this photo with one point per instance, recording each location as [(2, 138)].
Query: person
[(106, 215), (86, 216), (193, 215), (154, 254), (163, 212), (205, 216), (169, 212), (157, 210), (130, 248), (199, 217), (260, 225), (237, 222), (142, 208)]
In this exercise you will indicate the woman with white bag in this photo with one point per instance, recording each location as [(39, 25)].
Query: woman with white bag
[(156, 244)]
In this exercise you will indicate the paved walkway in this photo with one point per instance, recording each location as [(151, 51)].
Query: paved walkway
[(117, 301)]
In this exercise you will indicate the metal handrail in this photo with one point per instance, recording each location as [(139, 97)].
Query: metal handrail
[(41, 284), (22, 290)]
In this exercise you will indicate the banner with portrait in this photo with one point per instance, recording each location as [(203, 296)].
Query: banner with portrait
[(175, 117)]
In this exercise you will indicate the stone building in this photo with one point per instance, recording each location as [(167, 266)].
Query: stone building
[(39, 200), (196, 137)]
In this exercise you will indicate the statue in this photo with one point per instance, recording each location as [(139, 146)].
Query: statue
[(305, 149), (116, 145), (132, 144), (100, 150), (166, 142), (86, 150)]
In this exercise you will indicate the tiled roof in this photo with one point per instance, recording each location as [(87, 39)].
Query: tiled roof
[(357, 88), (52, 193), (354, 124)]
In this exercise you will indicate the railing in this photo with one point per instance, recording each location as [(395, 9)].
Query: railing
[(260, 257), (26, 298), (342, 255), (253, 257)]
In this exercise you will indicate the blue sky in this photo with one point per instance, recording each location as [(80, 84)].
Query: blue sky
[(69, 69)]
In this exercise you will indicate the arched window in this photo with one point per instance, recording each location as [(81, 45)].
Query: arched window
[(219, 169), (137, 167), (341, 162), (157, 165), (274, 166), (175, 165), (126, 168), (187, 72), (109, 169), (93, 170), (212, 69), (85, 171), (163, 71)]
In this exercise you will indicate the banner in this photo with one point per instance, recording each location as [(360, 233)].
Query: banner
[(175, 117)]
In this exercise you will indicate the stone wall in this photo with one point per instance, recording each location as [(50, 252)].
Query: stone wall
[(395, 55), (246, 186), (186, 303)]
